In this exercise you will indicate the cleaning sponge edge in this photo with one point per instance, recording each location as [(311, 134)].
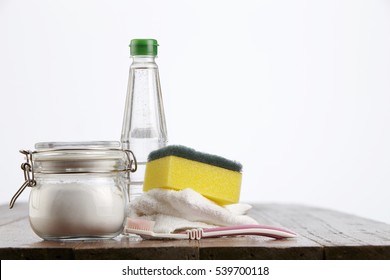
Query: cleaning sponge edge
[(192, 154)]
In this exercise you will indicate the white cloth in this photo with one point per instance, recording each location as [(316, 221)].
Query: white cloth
[(177, 210)]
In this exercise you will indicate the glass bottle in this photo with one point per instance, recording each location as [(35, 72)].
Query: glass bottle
[(144, 128)]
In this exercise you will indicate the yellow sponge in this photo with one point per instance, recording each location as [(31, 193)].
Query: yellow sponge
[(179, 167)]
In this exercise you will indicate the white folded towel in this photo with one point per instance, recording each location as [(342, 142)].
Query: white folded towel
[(177, 210)]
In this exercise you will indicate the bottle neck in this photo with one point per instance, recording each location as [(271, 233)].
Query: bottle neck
[(143, 59)]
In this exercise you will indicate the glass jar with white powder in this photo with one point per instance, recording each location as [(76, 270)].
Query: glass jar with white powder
[(78, 189)]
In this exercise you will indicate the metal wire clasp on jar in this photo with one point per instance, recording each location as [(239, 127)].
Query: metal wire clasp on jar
[(78, 189)]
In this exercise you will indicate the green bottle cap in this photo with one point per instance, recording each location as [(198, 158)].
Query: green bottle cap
[(143, 47)]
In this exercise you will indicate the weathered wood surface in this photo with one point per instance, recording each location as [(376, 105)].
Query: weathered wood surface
[(323, 234)]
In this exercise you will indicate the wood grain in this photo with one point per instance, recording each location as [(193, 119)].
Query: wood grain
[(323, 234)]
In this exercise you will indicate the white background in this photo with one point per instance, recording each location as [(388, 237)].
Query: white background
[(297, 91)]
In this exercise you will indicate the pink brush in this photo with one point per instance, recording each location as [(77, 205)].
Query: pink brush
[(144, 228)]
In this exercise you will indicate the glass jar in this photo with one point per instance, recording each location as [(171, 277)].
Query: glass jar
[(78, 189)]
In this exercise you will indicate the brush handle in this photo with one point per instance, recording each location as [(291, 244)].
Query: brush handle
[(144, 228), (259, 230)]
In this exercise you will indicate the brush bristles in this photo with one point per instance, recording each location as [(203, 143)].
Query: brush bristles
[(140, 224), (191, 154)]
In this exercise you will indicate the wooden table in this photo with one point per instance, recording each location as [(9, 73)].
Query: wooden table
[(323, 234)]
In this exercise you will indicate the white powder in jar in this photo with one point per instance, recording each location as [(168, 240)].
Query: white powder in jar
[(77, 207)]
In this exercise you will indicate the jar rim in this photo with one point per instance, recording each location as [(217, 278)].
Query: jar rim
[(80, 157), (59, 145)]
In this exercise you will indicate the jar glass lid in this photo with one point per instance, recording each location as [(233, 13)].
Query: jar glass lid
[(81, 157), (77, 145)]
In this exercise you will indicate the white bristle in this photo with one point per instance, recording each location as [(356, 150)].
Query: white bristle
[(140, 224)]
